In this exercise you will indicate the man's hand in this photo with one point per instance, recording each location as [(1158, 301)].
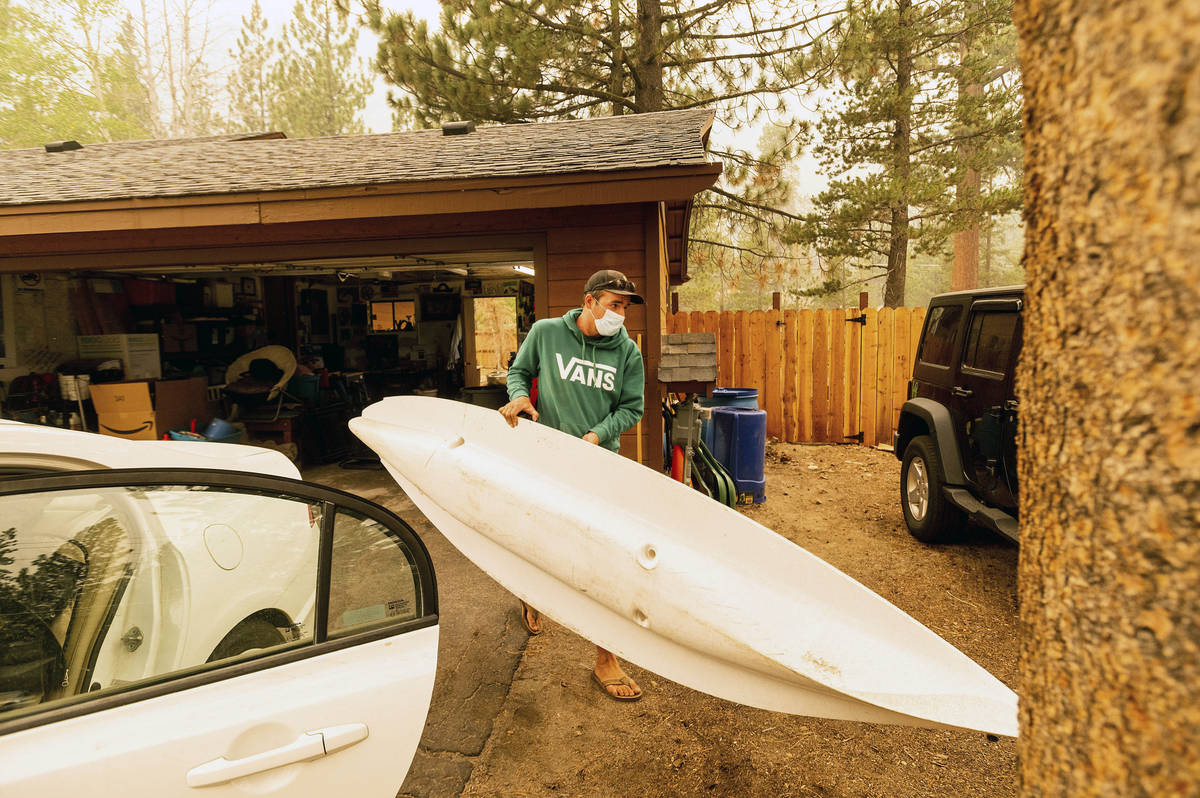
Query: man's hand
[(516, 407), (592, 437)]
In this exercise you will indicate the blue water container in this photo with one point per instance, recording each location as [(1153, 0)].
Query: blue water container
[(726, 397), (740, 444)]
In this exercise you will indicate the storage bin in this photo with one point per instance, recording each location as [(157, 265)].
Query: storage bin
[(740, 445), (726, 397)]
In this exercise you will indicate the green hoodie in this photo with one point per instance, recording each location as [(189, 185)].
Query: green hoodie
[(584, 384)]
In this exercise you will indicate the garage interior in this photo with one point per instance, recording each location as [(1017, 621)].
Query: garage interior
[(291, 282)]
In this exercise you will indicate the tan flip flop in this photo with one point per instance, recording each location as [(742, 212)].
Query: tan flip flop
[(625, 680), (525, 608)]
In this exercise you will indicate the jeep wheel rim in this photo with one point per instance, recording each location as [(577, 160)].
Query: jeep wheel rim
[(916, 489)]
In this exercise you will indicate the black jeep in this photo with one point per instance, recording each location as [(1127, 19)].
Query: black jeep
[(957, 434)]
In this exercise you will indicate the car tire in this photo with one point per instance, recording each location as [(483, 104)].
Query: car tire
[(929, 516), (249, 634)]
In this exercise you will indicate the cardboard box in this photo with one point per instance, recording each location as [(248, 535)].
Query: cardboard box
[(126, 410), (138, 353), (180, 338)]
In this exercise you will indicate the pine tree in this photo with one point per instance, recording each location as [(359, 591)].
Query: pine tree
[(530, 60), (61, 77), (249, 85), (127, 101), (904, 143), (319, 88)]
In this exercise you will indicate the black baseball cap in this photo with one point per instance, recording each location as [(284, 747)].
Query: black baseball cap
[(614, 282)]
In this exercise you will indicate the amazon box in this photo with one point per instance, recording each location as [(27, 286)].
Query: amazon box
[(126, 409)]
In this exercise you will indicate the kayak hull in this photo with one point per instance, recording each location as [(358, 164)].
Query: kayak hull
[(668, 579)]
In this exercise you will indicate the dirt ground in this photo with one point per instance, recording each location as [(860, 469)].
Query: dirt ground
[(557, 735)]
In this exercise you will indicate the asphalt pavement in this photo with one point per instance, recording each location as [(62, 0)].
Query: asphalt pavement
[(481, 642)]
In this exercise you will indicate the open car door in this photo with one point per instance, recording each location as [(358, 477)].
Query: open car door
[(208, 633)]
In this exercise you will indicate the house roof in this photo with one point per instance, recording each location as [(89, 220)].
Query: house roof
[(264, 163)]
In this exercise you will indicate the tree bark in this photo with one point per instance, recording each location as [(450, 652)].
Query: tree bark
[(616, 81), (965, 273), (1110, 399), (649, 93), (893, 292)]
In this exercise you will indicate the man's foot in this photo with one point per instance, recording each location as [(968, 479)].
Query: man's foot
[(614, 681), (532, 619)]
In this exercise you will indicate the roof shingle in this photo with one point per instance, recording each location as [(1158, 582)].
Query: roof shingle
[(236, 164)]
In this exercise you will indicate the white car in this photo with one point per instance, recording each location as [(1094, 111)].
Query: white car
[(188, 615)]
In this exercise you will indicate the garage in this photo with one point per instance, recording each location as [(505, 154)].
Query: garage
[(281, 283)]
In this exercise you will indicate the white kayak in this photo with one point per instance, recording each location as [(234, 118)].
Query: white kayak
[(668, 579)]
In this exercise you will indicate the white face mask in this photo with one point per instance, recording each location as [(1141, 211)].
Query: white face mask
[(609, 323)]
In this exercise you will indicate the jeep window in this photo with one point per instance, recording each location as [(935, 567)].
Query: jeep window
[(938, 347), (989, 341)]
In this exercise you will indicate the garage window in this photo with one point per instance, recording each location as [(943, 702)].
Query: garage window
[(392, 315)]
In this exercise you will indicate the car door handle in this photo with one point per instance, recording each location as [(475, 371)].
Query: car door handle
[(309, 745), (960, 391)]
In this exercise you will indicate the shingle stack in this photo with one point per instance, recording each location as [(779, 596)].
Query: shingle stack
[(688, 357)]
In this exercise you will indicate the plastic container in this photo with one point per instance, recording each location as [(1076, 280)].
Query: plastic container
[(74, 387), (726, 397), (734, 397), (494, 397), (740, 445), (219, 428), (304, 387)]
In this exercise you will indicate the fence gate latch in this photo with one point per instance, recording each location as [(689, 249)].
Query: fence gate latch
[(860, 319)]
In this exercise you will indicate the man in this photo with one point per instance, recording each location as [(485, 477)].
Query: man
[(590, 382)]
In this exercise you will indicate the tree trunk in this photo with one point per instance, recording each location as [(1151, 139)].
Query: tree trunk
[(893, 292), (649, 92), (966, 242), (1110, 432), (616, 82)]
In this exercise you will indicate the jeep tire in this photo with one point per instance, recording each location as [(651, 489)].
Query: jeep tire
[(930, 517)]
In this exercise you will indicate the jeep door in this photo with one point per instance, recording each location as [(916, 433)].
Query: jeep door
[(984, 400)]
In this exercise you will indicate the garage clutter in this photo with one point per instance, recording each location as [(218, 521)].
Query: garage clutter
[(273, 361)]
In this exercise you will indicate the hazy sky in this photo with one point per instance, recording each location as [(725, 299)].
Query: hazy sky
[(226, 20)]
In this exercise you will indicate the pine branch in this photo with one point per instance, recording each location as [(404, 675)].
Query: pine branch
[(731, 209), (556, 88), (755, 205), (747, 250), (735, 95)]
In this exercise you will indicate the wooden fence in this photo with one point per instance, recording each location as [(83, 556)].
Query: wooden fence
[(821, 375)]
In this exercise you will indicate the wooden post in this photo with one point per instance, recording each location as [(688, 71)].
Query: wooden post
[(804, 388), (863, 299), (776, 302), (820, 376), (773, 376), (674, 301), (791, 398), (728, 346), (867, 387)]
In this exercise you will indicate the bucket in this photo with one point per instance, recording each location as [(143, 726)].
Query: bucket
[(726, 397), (74, 386), (304, 387), (219, 428), (494, 397), (740, 445)]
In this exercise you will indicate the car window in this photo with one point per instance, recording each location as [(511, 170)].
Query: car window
[(937, 348), (105, 588), (989, 341), (373, 576)]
